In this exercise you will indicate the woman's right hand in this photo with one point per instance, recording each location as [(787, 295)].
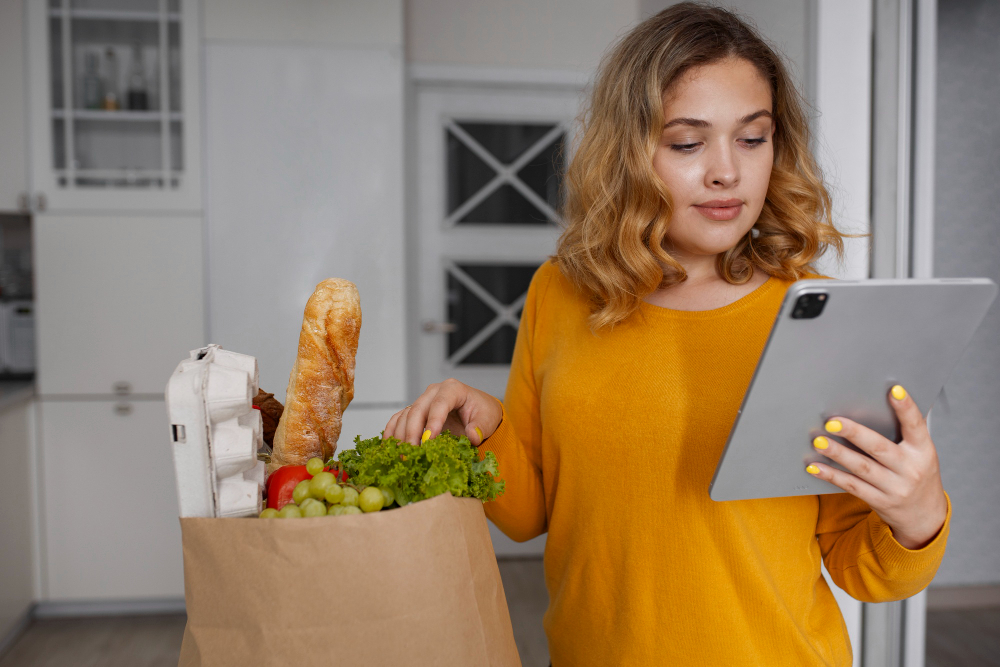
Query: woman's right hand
[(447, 405)]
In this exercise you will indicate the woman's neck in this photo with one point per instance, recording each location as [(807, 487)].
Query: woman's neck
[(705, 288)]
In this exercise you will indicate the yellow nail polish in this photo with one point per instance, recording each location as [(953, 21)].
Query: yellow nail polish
[(811, 469), (834, 426), (479, 433), (426, 436), (821, 443), (898, 392)]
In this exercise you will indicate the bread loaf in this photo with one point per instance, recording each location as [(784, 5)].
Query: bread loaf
[(321, 385)]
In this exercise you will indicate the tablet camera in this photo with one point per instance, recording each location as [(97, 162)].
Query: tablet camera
[(809, 306)]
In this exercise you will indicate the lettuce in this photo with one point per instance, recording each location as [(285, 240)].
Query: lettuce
[(444, 464)]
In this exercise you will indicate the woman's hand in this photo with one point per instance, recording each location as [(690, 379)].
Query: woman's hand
[(447, 405), (902, 483)]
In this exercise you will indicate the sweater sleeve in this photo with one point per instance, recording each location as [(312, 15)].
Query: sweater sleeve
[(520, 511), (864, 558)]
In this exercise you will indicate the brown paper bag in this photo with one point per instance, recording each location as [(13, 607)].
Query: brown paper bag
[(418, 585)]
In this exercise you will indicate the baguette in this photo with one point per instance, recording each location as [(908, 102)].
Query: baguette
[(321, 384)]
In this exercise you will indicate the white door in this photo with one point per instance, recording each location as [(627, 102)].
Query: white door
[(489, 173), (108, 502)]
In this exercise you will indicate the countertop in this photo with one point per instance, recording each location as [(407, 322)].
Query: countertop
[(13, 392)]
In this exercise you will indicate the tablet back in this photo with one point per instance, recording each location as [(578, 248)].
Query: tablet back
[(870, 335)]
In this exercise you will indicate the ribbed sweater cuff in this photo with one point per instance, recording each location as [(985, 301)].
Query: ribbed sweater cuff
[(503, 443), (894, 555)]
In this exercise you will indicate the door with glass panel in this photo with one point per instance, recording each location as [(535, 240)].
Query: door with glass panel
[(490, 166)]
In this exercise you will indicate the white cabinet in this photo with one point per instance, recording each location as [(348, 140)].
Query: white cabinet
[(119, 301), (16, 535), (114, 101), (13, 127), (109, 502)]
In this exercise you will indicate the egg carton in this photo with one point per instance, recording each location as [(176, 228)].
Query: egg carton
[(216, 434)]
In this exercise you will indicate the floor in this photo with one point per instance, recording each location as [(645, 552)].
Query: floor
[(955, 637)]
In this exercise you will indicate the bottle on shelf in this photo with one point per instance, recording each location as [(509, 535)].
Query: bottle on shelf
[(92, 97), (138, 96), (111, 100)]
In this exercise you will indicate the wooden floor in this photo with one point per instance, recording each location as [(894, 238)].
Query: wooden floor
[(955, 637)]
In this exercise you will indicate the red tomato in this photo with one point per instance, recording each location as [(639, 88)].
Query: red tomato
[(282, 482)]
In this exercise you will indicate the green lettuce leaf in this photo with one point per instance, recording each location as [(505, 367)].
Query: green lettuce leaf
[(444, 464)]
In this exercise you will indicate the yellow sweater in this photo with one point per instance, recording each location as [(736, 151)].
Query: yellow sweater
[(609, 443)]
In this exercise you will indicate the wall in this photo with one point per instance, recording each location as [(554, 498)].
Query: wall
[(556, 34), (966, 243), (304, 181)]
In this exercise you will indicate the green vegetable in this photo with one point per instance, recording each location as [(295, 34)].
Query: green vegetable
[(415, 472)]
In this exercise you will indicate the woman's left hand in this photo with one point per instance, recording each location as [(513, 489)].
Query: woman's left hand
[(902, 483)]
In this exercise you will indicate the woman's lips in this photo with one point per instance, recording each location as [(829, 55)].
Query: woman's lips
[(715, 212)]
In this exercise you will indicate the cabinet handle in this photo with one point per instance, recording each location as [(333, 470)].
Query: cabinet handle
[(24, 202), (40, 201), (123, 388), (123, 409), (439, 327)]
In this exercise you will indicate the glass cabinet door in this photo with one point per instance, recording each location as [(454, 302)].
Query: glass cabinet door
[(114, 104)]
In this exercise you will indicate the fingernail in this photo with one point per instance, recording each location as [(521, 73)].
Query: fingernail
[(479, 433), (898, 392), (821, 443), (811, 469), (426, 436), (834, 426)]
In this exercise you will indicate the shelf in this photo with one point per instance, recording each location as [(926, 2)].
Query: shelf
[(118, 116), (113, 15)]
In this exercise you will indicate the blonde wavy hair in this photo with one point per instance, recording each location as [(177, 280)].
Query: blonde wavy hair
[(617, 210)]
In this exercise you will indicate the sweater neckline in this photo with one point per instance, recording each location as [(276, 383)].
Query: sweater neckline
[(740, 304)]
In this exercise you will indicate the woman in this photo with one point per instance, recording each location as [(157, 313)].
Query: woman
[(692, 204)]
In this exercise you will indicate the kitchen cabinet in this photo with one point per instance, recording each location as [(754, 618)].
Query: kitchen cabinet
[(13, 128), (109, 502), (114, 104), (119, 301), (16, 534)]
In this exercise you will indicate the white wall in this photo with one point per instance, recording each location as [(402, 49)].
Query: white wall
[(304, 181), (556, 34)]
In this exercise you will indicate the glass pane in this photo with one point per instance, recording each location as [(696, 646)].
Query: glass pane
[(506, 206), (469, 314), (506, 141), (544, 173), (467, 174)]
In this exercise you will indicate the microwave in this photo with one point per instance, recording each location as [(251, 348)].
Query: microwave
[(17, 337)]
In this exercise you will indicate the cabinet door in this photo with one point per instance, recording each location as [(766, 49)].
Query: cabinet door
[(119, 301), (17, 572), (13, 144), (109, 502), (114, 104)]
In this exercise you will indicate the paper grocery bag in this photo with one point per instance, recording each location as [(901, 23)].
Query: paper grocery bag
[(418, 585)]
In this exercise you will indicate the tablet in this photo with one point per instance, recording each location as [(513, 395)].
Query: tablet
[(836, 348)]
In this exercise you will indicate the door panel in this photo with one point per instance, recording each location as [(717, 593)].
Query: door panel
[(119, 300), (109, 502)]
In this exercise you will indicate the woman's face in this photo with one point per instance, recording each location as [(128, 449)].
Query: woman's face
[(715, 155)]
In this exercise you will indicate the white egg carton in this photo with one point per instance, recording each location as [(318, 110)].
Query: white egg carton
[(215, 433)]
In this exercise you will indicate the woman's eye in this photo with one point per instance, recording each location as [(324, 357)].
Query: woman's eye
[(684, 148), (753, 143)]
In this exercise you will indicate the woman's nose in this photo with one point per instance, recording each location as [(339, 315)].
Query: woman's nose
[(722, 169)]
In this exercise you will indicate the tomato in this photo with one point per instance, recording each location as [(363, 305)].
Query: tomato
[(281, 484)]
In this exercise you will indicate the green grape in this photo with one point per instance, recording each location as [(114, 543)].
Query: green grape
[(387, 495), (308, 502), (319, 484), (335, 510), (334, 494), (314, 465), (351, 509), (290, 511), (315, 508), (371, 499), (350, 497), (301, 492), (269, 513)]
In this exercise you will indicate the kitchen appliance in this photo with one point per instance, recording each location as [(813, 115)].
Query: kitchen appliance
[(17, 337)]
